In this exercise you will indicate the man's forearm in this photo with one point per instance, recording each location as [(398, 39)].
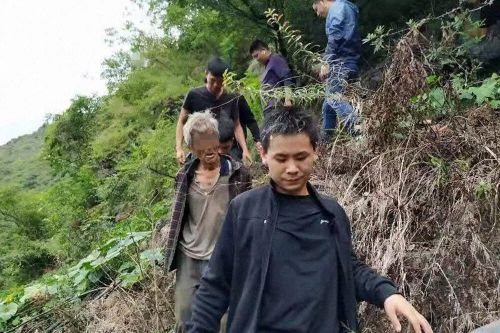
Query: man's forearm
[(288, 96), (240, 137), (178, 134), (331, 50), (370, 286), (254, 129)]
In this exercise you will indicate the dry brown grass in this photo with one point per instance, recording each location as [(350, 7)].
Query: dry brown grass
[(426, 224), (404, 78), (146, 308)]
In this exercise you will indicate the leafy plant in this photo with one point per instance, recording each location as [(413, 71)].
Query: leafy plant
[(7, 311), (121, 258), (488, 92), (307, 52), (442, 168), (378, 38), (68, 138), (483, 189), (92, 268)]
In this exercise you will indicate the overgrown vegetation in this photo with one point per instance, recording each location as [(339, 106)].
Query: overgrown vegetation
[(421, 184)]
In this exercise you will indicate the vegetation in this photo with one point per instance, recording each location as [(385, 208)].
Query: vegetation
[(79, 199), (21, 163)]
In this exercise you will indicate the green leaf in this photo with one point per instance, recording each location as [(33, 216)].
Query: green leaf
[(95, 276), (437, 98), (465, 94), (16, 321), (127, 280), (7, 311), (34, 290), (495, 104), (98, 262), (52, 289), (81, 276), (152, 255), (91, 257), (432, 80), (485, 91), (109, 244), (131, 238), (126, 267)]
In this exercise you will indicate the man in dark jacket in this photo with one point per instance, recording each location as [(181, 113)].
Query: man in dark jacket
[(284, 260), (203, 189), (276, 74)]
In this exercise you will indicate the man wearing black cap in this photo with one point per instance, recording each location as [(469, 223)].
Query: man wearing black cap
[(213, 97)]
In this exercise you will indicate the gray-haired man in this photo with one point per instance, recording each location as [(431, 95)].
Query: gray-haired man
[(204, 186)]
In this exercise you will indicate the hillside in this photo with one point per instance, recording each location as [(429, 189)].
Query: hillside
[(21, 163), (420, 183)]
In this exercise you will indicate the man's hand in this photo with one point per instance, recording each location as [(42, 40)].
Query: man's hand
[(397, 305), (247, 157), (288, 97), (323, 72), (259, 147), (181, 157)]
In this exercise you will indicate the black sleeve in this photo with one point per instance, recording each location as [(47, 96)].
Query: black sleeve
[(212, 297), (370, 286), (188, 102), (247, 118)]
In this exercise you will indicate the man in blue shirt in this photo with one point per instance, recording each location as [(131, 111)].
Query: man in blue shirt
[(276, 74), (342, 55), (284, 261)]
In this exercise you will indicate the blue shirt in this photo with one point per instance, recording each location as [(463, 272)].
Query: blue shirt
[(277, 72), (344, 41)]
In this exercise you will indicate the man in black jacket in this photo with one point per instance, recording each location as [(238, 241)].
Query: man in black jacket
[(284, 260)]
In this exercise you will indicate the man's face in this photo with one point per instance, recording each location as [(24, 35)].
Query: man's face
[(214, 84), (206, 147), (290, 159), (320, 8), (261, 55), (225, 147)]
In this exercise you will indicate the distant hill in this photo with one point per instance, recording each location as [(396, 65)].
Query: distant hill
[(21, 163)]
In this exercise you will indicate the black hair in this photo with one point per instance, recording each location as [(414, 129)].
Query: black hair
[(258, 45), (289, 121), (216, 66), (226, 129)]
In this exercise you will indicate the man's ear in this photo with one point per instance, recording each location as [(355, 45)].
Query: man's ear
[(315, 156), (263, 155)]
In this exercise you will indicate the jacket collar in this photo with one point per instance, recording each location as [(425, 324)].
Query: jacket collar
[(228, 166), (325, 204)]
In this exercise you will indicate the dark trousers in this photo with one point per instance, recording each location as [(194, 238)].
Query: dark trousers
[(187, 280)]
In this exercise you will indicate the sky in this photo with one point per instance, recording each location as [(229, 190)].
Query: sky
[(51, 51)]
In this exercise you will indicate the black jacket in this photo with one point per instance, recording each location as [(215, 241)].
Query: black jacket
[(239, 264)]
